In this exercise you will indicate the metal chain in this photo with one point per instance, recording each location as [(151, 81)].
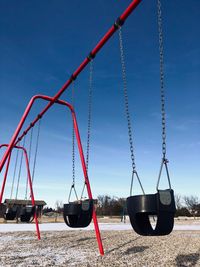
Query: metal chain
[(122, 57), (89, 113), (162, 90), (73, 142), (36, 151), (14, 174), (160, 31), (20, 168), (73, 153), (90, 92), (29, 159), (123, 65)]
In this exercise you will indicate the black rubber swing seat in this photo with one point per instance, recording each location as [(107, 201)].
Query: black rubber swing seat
[(2, 210), (78, 214), (11, 213), (161, 204), (27, 214)]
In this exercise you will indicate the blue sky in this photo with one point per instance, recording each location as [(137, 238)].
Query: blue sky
[(43, 42)]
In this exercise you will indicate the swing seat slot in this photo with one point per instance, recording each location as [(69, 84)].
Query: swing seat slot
[(11, 213), (2, 210), (161, 204), (27, 213), (78, 214)]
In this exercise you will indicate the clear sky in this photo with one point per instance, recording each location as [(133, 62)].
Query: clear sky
[(43, 42)]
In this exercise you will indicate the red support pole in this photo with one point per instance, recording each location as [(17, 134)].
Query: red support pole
[(85, 62), (5, 178), (96, 226), (61, 102), (31, 191), (29, 180)]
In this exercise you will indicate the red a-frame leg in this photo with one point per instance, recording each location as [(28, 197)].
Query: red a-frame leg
[(29, 181), (14, 141)]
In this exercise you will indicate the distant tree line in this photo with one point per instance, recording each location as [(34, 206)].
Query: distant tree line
[(110, 206), (115, 206), (187, 206)]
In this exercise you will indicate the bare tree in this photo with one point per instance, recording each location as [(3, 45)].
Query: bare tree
[(178, 200), (59, 206), (192, 203)]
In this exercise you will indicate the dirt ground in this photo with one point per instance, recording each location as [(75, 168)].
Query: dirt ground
[(79, 248)]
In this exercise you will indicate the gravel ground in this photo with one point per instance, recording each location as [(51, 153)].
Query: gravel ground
[(79, 248)]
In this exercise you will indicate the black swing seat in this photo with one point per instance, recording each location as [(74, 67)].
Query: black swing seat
[(2, 210), (78, 214), (11, 213), (161, 204), (27, 213)]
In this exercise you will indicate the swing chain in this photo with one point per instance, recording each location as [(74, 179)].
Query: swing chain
[(126, 99), (36, 151), (20, 168), (160, 31), (89, 113), (29, 160), (123, 65), (89, 120), (162, 89), (73, 143), (73, 153), (14, 174)]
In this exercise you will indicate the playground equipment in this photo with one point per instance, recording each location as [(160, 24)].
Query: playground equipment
[(52, 100), (79, 214), (161, 204), (21, 208), (12, 212), (86, 211)]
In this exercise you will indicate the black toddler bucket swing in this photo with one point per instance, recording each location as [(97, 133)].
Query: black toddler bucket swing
[(11, 213), (2, 210), (161, 204), (78, 214), (27, 214)]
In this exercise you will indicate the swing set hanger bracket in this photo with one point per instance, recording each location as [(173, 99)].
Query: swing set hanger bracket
[(91, 56), (165, 160), (39, 116), (73, 77), (118, 23)]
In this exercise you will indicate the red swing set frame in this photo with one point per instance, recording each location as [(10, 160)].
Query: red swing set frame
[(52, 100), (29, 182)]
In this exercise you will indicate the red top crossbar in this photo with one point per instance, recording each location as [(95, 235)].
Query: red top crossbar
[(119, 22)]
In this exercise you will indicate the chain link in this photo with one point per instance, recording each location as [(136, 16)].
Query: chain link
[(89, 113), (90, 91), (29, 160), (122, 57), (36, 152), (14, 174), (73, 141), (20, 168), (160, 31)]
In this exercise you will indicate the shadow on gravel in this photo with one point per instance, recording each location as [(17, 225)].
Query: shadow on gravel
[(187, 260), (122, 245), (137, 249)]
